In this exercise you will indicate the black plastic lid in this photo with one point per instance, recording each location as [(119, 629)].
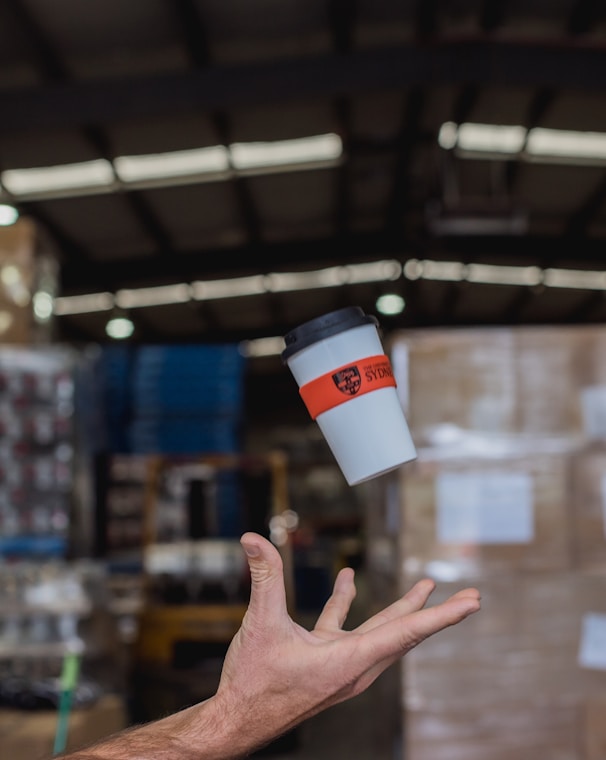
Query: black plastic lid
[(325, 326)]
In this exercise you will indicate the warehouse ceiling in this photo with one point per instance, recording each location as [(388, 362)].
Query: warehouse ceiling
[(385, 87)]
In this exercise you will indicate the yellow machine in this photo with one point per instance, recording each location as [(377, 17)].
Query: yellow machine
[(197, 587)]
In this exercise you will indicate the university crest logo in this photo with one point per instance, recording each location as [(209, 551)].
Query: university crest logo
[(348, 380)]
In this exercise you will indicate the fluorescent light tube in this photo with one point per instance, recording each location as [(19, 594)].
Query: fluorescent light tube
[(212, 160), (490, 138), (257, 155), (323, 278), (158, 296), (83, 304), (453, 271), (447, 136), (8, 215), (373, 271), (413, 269), (559, 143), (206, 290), (262, 347), (503, 275), (175, 167), (472, 140), (580, 279), (85, 175)]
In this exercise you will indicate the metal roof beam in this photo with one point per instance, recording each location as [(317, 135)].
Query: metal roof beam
[(584, 15), (407, 140), (195, 39), (341, 21), (580, 220), (72, 104), (426, 24), (192, 30), (83, 276)]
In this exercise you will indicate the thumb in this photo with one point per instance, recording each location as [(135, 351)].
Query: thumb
[(267, 593)]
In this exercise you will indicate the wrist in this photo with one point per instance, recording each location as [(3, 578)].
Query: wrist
[(216, 730)]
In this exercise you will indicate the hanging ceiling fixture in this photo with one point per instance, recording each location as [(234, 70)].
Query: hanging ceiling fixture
[(8, 215)]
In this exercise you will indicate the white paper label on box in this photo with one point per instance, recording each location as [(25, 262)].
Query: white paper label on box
[(593, 409), (592, 650), (604, 504), (484, 507)]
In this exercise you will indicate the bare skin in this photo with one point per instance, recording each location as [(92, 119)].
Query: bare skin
[(277, 674)]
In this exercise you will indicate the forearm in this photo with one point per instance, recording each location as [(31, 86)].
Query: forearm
[(201, 732)]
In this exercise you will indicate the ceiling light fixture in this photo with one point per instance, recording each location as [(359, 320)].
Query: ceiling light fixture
[(453, 271), (8, 215), (176, 164), (119, 328), (487, 274), (580, 279), (390, 304), (162, 295), (55, 180), (305, 150), (235, 287), (253, 349), (490, 138), (374, 271), (280, 282), (413, 269), (380, 271), (468, 219), (553, 144), (472, 140), (209, 164), (42, 303), (503, 275), (87, 303)]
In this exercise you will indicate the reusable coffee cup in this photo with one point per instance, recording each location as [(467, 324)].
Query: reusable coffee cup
[(347, 384)]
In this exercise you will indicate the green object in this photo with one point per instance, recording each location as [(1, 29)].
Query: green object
[(69, 680)]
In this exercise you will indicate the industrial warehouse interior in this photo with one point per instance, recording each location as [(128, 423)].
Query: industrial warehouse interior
[(183, 184)]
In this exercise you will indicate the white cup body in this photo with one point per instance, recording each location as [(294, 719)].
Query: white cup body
[(368, 435)]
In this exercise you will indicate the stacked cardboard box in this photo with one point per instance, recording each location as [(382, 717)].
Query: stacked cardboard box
[(507, 495), (27, 266), (29, 735), (537, 382), (588, 508)]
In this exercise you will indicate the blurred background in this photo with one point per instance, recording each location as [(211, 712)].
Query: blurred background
[(182, 182)]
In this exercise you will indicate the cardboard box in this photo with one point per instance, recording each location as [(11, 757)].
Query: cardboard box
[(521, 674), (479, 516), (28, 735), (588, 508), (525, 732), (511, 680), (526, 381), (463, 379), (533, 635), (507, 495), (594, 728), (27, 264)]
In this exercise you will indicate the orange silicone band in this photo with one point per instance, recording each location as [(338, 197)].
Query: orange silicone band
[(342, 384)]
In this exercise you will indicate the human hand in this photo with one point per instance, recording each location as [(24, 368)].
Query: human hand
[(277, 673)]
